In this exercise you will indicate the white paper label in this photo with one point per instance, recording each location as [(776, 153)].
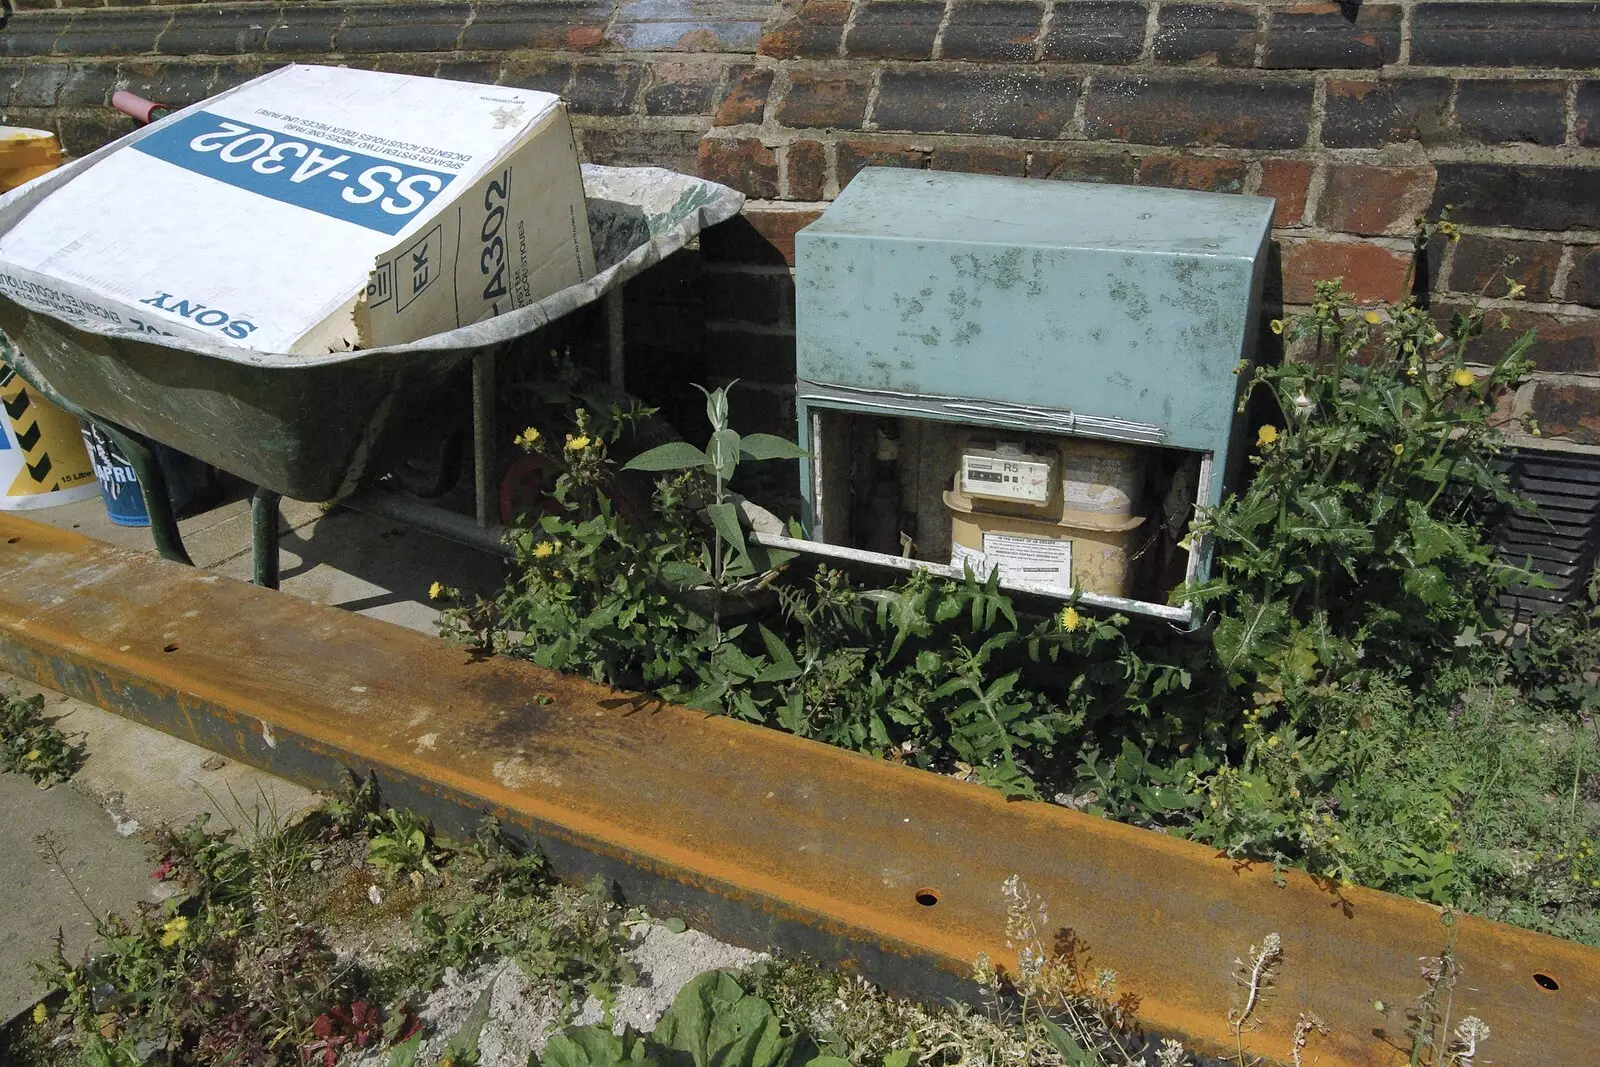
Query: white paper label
[(1034, 560), (1005, 478)]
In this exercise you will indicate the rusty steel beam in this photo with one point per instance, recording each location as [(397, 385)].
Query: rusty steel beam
[(758, 836)]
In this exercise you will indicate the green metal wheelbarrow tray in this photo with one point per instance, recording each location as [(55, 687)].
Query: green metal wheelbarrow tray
[(319, 428)]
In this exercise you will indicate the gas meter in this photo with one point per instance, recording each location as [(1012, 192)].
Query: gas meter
[(1031, 377)]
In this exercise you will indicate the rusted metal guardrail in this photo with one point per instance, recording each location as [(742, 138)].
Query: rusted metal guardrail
[(756, 836)]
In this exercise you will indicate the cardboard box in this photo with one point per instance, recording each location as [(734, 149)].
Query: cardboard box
[(314, 210)]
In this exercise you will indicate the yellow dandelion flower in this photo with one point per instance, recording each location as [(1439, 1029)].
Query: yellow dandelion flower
[(33, 755), (40, 1012), (1373, 317), (1463, 378), (1514, 289), (173, 931), (1070, 619), (528, 438), (578, 444), (436, 590), (1399, 450), (544, 550), (1267, 436), (1277, 325), (1272, 742)]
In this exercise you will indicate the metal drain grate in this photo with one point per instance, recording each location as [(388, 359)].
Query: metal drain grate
[(1561, 538)]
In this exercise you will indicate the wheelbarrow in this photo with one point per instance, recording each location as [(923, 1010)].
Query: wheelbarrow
[(323, 428)]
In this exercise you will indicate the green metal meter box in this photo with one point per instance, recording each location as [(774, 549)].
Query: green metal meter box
[(1037, 376)]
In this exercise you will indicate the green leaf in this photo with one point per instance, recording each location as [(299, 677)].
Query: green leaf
[(672, 456), (723, 451), (717, 405), (1075, 1054), (1429, 585), (684, 575), (462, 1048), (405, 1053), (725, 517), (770, 446), (900, 1057), (827, 1061), (714, 1023), (594, 1046), (1252, 635)]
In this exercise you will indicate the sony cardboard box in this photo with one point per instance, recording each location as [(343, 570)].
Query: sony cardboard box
[(314, 210)]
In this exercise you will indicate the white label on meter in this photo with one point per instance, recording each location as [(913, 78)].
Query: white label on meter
[(1001, 478), (1034, 560)]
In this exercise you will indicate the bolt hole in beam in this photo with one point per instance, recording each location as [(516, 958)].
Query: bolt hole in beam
[(169, 648), (12, 540), (927, 897), (1545, 982)]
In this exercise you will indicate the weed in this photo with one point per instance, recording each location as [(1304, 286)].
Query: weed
[(32, 746)]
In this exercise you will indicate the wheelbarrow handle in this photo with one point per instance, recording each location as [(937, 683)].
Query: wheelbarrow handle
[(145, 111)]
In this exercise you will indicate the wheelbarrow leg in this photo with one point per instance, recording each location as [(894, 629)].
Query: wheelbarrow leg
[(264, 537), (484, 432), (153, 485)]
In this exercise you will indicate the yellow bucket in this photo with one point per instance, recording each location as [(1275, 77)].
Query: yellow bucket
[(26, 154)]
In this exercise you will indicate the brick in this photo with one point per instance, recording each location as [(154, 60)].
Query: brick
[(551, 25), (895, 29), (632, 147), (685, 36), (1370, 272), (537, 72), (743, 163), (996, 31), (37, 84), (413, 27), (305, 28), (175, 84), (604, 88), (216, 31), (1368, 200), (1287, 181), (855, 156), (1567, 412), (1583, 283), (1371, 114), (88, 85), (1220, 36), (416, 64), (1010, 104), (746, 97), (1564, 344), (1120, 168), (111, 33), (761, 236), (1193, 172), (978, 160), (1479, 265), (1097, 31), (1505, 34), (745, 296), (812, 32), (1174, 110), (750, 356), (34, 35), (229, 73), (1321, 36), (1520, 196), (805, 165), (478, 71), (823, 99), (1496, 112), (82, 134), (682, 88), (1587, 113)]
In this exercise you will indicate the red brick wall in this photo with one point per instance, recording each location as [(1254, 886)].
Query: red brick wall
[(1356, 116)]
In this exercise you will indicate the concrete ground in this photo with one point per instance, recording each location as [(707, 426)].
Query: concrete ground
[(136, 778)]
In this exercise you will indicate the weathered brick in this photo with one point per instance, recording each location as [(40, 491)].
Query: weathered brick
[(1583, 283), (761, 299), (1587, 113), (1505, 34), (895, 29), (1222, 36), (88, 84), (1319, 36), (980, 160), (1567, 412), (34, 35), (1370, 272), (806, 167), (746, 97), (1496, 111), (761, 236), (1370, 114), (1068, 165), (537, 72), (1480, 265), (228, 73), (478, 71), (1565, 344), (682, 88), (305, 28), (1193, 172), (1174, 110), (175, 84), (631, 147), (216, 31), (1363, 199), (416, 64), (550, 25), (81, 134), (1008, 103), (1097, 31), (110, 33), (604, 88), (1001, 31), (818, 99), (856, 155), (1518, 195), (36, 84), (812, 32), (741, 162), (731, 35), (1287, 181), (413, 27), (749, 355)]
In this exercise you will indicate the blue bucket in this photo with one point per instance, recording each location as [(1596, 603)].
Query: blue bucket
[(187, 478)]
